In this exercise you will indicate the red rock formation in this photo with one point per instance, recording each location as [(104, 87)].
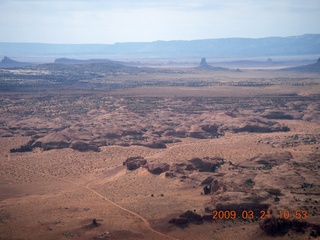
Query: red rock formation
[(133, 163)]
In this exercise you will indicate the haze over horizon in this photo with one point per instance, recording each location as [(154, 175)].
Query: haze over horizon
[(108, 22)]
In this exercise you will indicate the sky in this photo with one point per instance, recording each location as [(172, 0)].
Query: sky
[(111, 21)]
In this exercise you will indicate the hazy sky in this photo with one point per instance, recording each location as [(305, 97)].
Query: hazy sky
[(109, 21)]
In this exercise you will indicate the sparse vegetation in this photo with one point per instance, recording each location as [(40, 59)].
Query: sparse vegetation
[(250, 182), (68, 234), (307, 185), (4, 216)]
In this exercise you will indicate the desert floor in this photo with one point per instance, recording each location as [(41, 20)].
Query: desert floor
[(56, 194)]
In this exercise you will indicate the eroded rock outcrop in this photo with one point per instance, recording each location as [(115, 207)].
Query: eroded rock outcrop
[(254, 125), (158, 144), (24, 148), (199, 135), (192, 217), (56, 140), (278, 115), (208, 164), (279, 226), (260, 129), (134, 163), (158, 168), (7, 62), (179, 221), (212, 129), (84, 146), (188, 217), (208, 180), (214, 187), (176, 133), (203, 63)]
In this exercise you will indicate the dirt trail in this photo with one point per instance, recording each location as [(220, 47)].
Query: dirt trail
[(145, 221)]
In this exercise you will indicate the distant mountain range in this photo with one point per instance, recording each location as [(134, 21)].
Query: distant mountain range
[(308, 44)]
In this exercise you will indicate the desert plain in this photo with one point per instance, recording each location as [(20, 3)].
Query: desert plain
[(106, 151)]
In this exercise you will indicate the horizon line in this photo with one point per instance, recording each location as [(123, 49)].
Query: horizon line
[(175, 40)]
